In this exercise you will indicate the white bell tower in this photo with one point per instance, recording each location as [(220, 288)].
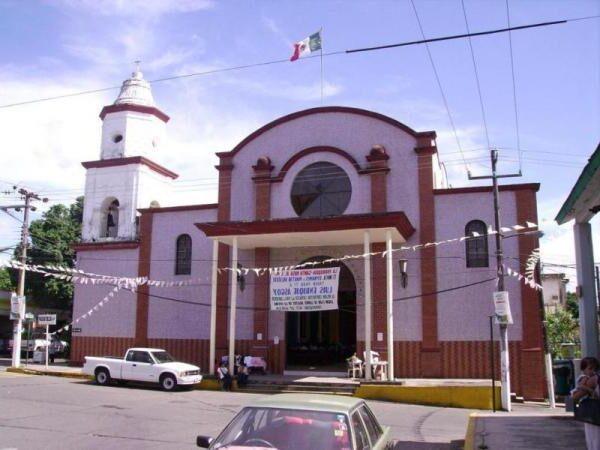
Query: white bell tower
[(125, 178)]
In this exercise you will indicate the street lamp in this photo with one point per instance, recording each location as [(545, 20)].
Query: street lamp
[(403, 263)]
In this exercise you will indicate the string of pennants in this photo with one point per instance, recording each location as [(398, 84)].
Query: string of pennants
[(82, 277), (91, 311), (529, 277), (528, 281)]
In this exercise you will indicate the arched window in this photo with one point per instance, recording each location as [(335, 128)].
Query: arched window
[(476, 244), (183, 255), (111, 219)]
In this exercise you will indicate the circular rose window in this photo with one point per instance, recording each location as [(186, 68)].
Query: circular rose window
[(321, 189)]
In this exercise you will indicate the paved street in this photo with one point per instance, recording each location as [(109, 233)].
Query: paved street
[(41, 412)]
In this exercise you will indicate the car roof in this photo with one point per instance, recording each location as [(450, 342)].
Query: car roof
[(312, 402), (146, 349)]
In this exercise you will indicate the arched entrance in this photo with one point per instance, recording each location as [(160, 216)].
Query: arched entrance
[(324, 339)]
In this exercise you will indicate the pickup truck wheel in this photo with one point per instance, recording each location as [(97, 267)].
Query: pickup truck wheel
[(168, 382), (102, 377)]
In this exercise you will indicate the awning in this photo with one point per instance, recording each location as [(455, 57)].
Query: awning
[(584, 200), (311, 232)]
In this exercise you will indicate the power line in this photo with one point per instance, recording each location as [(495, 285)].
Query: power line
[(439, 83), (462, 36), (485, 127), (281, 61), (254, 308), (514, 86)]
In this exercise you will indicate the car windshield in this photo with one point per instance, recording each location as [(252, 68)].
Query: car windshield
[(163, 357), (274, 428)]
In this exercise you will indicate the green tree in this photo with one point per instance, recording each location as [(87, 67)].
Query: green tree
[(561, 328), (573, 304), (52, 239), (6, 283)]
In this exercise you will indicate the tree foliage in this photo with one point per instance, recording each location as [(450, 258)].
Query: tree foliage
[(6, 283), (561, 328), (52, 238), (573, 304)]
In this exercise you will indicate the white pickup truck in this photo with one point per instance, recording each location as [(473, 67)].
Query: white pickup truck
[(152, 365)]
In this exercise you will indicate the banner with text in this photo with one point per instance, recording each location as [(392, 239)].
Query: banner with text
[(305, 289)]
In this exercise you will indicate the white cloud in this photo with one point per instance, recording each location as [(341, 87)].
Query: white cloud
[(274, 28), (136, 7)]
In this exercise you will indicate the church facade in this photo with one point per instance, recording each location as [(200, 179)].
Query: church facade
[(324, 187)]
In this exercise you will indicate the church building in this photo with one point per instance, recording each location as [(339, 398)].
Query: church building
[(335, 232)]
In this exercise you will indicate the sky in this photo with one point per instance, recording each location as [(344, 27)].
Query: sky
[(533, 94)]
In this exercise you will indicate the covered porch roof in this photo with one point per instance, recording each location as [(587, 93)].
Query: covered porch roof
[(311, 232), (584, 200)]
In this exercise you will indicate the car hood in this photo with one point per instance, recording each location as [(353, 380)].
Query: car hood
[(179, 366)]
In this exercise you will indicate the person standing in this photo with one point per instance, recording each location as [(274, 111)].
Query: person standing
[(224, 377), (242, 375), (588, 387)]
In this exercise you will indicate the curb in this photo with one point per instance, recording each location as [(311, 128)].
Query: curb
[(470, 433), (469, 397), (442, 396), (52, 373)]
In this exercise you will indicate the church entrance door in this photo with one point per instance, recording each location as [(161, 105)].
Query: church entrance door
[(322, 340)]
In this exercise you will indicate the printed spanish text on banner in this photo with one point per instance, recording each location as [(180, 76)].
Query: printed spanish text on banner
[(307, 46), (305, 289)]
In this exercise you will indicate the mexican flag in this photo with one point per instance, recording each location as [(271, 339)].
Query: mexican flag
[(307, 46)]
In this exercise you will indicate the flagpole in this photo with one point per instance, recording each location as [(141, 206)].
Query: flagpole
[(321, 35)]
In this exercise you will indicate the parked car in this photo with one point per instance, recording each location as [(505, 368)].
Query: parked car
[(150, 365), (37, 343), (303, 422)]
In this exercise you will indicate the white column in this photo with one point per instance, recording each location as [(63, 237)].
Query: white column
[(584, 259), (213, 309), (368, 301), (233, 304), (390, 304)]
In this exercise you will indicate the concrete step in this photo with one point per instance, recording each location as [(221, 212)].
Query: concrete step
[(300, 387), (281, 390)]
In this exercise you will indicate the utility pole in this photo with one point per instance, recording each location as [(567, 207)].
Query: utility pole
[(504, 357), (27, 196)]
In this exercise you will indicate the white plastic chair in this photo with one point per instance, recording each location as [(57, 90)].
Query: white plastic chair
[(355, 368)]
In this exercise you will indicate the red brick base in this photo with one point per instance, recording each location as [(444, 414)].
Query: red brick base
[(456, 359)]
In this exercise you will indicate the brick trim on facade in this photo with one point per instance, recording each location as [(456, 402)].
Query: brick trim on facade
[(112, 245), (531, 357), (329, 109), (169, 209), (395, 219), (143, 291), (225, 169), (505, 187), (431, 356), (115, 162)]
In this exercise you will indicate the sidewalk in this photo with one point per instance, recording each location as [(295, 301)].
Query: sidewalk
[(529, 426), (59, 368)]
